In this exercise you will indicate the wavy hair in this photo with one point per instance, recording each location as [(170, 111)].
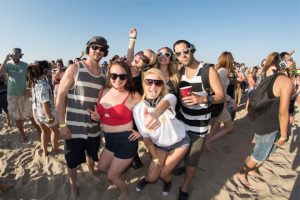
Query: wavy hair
[(174, 73)]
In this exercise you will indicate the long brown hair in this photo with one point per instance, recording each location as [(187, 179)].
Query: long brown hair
[(225, 60)]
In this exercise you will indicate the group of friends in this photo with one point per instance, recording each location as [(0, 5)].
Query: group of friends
[(138, 96)]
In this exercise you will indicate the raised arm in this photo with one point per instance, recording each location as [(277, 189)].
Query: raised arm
[(3, 66), (130, 51)]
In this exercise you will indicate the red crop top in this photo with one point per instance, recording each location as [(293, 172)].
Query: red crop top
[(116, 115)]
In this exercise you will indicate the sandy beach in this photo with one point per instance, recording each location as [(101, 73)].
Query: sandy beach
[(34, 177)]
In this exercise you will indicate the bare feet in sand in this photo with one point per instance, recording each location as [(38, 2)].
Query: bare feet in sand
[(123, 196), (244, 181), (209, 147), (74, 192)]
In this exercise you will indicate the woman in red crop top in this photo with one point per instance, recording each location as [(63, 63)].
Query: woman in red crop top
[(115, 112)]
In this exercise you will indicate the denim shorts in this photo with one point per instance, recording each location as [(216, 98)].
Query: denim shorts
[(264, 146), (185, 142), (119, 144)]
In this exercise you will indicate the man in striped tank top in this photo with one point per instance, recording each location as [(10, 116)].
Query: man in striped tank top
[(78, 91), (194, 112)]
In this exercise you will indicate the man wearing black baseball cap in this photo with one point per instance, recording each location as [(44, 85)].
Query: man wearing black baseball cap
[(78, 91), (19, 103)]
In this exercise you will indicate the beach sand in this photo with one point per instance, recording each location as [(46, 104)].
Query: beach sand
[(33, 177)]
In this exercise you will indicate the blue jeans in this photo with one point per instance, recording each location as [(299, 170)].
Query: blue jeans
[(264, 146)]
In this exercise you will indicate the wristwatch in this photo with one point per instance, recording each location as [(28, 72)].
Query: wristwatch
[(210, 100)]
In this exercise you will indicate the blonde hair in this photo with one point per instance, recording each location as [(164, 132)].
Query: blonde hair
[(153, 59), (157, 72)]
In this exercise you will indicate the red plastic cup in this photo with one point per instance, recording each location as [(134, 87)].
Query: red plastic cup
[(186, 91)]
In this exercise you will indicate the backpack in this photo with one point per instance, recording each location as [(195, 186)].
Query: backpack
[(260, 99), (215, 109)]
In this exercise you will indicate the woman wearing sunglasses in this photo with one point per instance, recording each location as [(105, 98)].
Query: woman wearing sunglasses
[(168, 143), (167, 65), (115, 112)]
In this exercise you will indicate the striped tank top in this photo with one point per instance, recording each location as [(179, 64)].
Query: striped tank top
[(195, 117), (82, 96)]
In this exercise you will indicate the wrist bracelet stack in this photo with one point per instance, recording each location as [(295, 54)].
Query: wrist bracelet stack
[(132, 38)]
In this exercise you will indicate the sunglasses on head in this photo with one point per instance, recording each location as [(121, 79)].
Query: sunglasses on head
[(142, 56), (158, 83), (167, 54), (122, 77), (96, 47), (184, 51)]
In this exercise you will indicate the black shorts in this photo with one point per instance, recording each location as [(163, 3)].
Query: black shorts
[(3, 102), (75, 150), (119, 144)]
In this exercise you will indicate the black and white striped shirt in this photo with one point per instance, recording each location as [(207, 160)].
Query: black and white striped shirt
[(82, 96), (195, 117)]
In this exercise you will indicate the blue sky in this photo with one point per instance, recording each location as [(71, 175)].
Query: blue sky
[(250, 29)]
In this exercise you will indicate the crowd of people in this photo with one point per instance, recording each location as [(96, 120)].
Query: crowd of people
[(143, 96)]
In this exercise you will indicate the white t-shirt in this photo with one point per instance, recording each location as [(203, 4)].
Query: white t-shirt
[(171, 129)]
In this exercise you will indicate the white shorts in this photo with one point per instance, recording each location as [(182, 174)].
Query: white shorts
[(19, 107)]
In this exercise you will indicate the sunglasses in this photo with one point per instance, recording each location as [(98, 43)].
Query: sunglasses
[(144, 58), (291, 60), (184, 51), (166, 54), (150, 82), (95, 47), (122, 77)]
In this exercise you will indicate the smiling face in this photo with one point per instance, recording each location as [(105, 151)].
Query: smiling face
[(141, 59), (118, 76), (96, 52)]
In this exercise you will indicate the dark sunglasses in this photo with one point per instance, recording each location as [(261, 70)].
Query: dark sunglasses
[(144, 58), (158, 83), (167, 54), (184, 51), (122, 77), (291, 60), (95, 47)]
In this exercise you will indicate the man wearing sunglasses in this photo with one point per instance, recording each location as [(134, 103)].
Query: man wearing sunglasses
[(194, 112), (78, 91)]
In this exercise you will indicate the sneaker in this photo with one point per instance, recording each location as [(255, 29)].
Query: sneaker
[(178, 171), (137, 163), (183, 195), (166, 189), (141, 185)]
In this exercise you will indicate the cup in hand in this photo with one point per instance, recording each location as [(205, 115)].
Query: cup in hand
[(186, 91)]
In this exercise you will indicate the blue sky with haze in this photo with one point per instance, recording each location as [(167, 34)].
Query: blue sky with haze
[(250, 29)]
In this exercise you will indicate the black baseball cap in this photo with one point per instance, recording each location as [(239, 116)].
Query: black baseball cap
[(97, 40)]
